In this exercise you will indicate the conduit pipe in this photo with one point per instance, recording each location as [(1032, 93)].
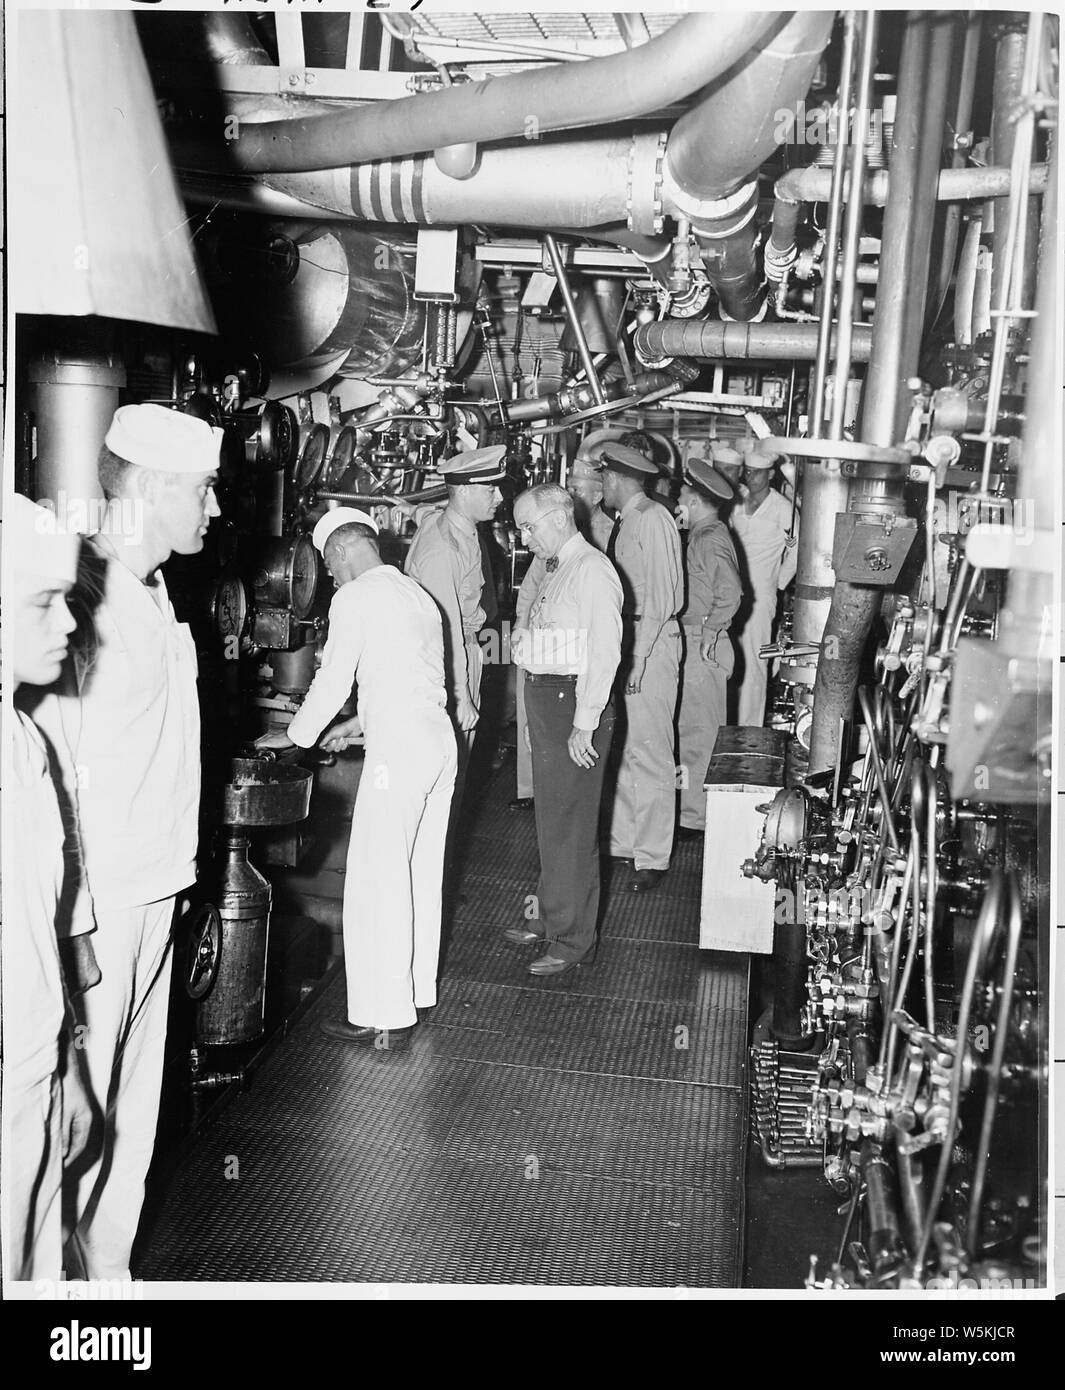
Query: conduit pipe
[(897, 328), (788, 342), (813, 184), (694, 52), (1006, 103), (960, 133), (823, 489)]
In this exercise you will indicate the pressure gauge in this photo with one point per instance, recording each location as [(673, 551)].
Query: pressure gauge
[(230, 606), (304, 576), (314, 441), (286, 576), (340, 459), (271, 435)]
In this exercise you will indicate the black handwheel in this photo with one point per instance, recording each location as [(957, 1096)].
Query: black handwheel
[(205, 952)]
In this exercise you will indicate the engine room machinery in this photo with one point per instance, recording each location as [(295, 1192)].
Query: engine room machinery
[(832, 231)]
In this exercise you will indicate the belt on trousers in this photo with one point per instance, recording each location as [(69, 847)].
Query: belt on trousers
[(547, 677)]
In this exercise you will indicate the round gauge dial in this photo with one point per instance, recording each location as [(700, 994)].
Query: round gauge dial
[(312, 459), (230, 606), (341, 458), (304, 575)]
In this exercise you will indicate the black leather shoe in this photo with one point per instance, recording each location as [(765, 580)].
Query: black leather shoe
[(555, 965), (520, 937), (520, 803), (688, 832), (644, 880), (382, 1039)]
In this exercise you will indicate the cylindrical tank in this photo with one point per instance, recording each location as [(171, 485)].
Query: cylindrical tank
[(76, 396), (346, 289), (293, 671), (232, 1011)]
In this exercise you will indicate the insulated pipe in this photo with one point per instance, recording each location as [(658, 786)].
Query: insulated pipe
[(692, 53), (734, 126), (789, 342), (565, 183), (561, 402), (715, 150), (904, 262), (812, 184)]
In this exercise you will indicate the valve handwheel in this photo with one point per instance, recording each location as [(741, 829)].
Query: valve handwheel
[(205, 951)]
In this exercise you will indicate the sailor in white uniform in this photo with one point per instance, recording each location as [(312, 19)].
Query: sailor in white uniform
[(125, 726), (761, 523), (385, 631), (43, 1116)]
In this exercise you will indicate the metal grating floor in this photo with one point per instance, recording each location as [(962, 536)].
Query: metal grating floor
[(587, 1130)]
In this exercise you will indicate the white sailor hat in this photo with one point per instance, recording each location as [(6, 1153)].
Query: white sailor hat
[(336, 517), (760, 454), (474, 466), (36, 542), (705, 478), (624, 459), (722, 453), (168, 441)]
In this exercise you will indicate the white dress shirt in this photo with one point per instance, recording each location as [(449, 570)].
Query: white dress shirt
[(573, 619)]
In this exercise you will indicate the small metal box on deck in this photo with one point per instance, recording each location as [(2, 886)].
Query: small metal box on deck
[(746, 771)]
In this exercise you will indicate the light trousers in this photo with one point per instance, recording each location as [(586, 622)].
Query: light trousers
[(644, 812), (121, 1032), (702, 712), (757, 632), (32, 1179), (395, 865)]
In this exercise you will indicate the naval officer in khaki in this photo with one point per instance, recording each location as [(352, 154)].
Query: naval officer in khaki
[(645, 547), (448, 559), (714, 594)]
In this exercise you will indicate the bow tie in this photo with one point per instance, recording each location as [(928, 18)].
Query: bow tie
[(551, 565)]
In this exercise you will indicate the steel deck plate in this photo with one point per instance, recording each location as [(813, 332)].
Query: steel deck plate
[(584, 1130)]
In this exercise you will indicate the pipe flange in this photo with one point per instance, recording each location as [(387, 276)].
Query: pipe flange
[(647, 154), (712, 219)]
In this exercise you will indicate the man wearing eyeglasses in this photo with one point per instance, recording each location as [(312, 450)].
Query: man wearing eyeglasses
[(567, 639)]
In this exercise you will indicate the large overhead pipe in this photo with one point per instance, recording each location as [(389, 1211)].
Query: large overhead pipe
[(695, 51), (904, 263), (788, 342), (716, 149)]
